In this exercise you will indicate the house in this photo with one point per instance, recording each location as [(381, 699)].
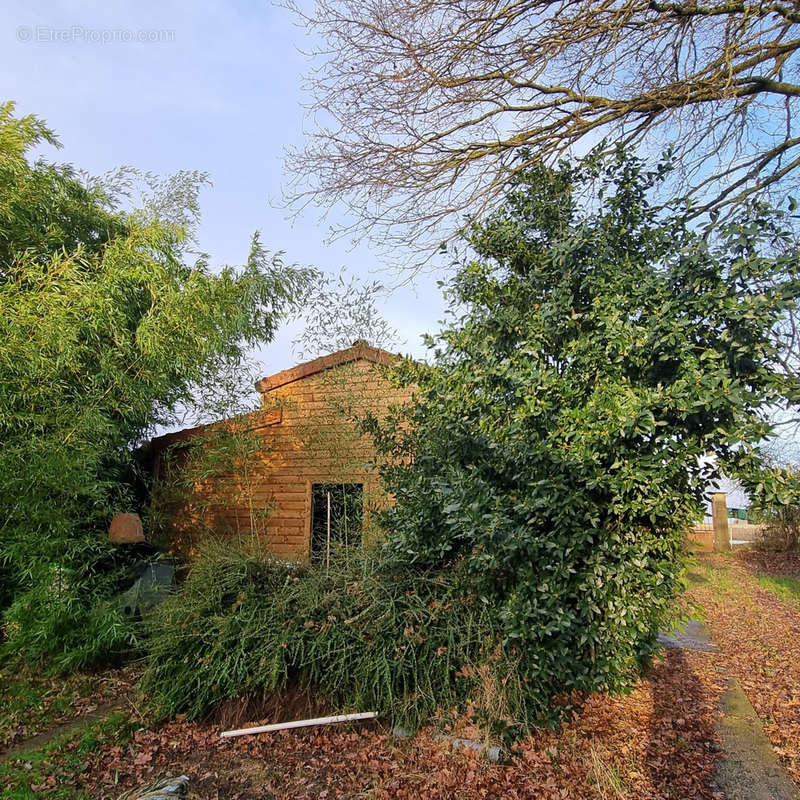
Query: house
[(297, 475)]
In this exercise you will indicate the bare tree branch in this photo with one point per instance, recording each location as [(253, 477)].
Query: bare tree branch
[(422, 111)]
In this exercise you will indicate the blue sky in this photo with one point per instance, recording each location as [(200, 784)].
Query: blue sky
[(218, 90)]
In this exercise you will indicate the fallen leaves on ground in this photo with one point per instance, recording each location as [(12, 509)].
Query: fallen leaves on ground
[(768, 563), (759, 640), (656, 742)]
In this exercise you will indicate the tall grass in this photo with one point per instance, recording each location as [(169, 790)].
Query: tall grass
[(361, 635)]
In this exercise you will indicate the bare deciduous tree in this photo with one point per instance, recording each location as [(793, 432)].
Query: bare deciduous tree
[(422, 110)]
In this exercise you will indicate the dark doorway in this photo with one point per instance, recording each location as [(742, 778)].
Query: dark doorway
[(346, 504)]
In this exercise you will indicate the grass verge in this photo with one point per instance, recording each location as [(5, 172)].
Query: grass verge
[(53, 771), (784, 588)]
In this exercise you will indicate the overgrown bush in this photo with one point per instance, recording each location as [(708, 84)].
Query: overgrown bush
[(599, 350), (780, 523), (404, 642), (57, 625), (781, 528)]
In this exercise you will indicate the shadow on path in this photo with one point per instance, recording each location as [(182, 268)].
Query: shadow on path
[(706, 741), (681, 747)]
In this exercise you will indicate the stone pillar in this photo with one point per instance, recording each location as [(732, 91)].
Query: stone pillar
[(722, 531)]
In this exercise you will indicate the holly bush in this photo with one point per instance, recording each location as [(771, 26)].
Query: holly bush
[(601, 362)]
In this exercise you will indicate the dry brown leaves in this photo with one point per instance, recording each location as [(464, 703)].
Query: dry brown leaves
[(759, 639), (767, 563), (657, 742)]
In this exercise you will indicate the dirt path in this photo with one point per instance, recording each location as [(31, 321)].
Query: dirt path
[(69, 727), (748, 768), (758, 637)]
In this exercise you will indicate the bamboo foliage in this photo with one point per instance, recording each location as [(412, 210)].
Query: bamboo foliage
[(107, 326)]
